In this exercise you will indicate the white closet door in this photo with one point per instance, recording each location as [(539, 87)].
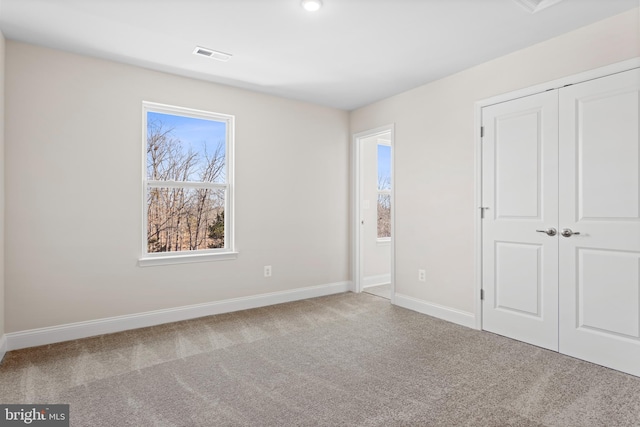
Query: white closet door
[(599, 198), (520, 189)]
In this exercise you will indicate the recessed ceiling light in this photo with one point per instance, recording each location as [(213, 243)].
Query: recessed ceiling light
[(214, 54), (312, 5), (533, 6)]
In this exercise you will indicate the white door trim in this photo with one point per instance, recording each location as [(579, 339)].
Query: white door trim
[(618, 67), (356, 214)]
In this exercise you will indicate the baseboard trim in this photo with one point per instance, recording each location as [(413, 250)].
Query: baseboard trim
[(73, 331), (381, 279), (3, 346), (449, 314)]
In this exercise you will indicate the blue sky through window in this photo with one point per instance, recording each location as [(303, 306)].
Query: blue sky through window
[(200, 136), (384, 166), (193, 132)]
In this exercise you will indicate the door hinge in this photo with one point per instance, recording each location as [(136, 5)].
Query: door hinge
[(481, 131), (481, 294), (482, 209)]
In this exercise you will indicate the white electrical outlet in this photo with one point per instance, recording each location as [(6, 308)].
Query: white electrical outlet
[(422, 275), (267, 271)]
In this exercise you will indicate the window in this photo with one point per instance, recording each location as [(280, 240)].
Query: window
[(384, 192), (188, 188)]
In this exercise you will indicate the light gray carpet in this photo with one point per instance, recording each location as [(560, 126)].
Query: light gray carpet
[(342, 360)]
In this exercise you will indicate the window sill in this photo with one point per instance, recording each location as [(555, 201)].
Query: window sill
[(383, 242), (186, 259)]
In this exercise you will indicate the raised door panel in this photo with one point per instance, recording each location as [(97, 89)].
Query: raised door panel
[(608, 292), (607, 155), (518, 290), (518, 171)]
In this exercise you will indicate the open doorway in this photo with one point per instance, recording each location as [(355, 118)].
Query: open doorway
[(374, 214)]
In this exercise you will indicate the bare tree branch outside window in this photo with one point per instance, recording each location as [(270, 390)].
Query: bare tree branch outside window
[(384, 208), (384, 192), (183, 215)]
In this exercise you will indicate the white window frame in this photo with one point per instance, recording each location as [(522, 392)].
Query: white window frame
[(381, 240), (218, 254)]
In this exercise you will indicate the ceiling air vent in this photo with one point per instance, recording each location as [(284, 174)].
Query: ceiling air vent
[(209, 53), (533, 6)]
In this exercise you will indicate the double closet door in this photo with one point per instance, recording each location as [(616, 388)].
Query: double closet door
[(561, 232)]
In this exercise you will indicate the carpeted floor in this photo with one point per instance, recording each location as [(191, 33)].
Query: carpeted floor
[(341, 360)]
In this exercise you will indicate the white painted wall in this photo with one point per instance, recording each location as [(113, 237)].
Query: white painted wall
[(376, 257), (434, 153), (2, 299), (73, 195)]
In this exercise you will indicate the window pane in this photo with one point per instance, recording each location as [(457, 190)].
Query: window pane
[(185, 219), (384, 167), (183, 148), (384, 216)]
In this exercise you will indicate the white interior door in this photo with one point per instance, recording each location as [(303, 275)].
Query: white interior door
[(520, 192), (375, 212), (373, 261), (599, 198)]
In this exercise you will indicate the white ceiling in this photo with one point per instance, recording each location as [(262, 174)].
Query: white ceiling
[(348, 54)]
